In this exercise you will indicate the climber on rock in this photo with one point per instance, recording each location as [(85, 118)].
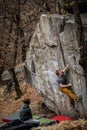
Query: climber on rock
[(64, 86)]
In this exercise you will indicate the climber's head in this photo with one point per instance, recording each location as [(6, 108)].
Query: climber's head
[(59, 72)]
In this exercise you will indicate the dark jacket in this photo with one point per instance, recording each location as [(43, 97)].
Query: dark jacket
[(25, 113), (62, 79)]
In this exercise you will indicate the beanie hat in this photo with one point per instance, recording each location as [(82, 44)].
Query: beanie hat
[(26, 101)]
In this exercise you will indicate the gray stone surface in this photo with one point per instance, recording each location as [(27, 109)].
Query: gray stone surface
[(53, 45)]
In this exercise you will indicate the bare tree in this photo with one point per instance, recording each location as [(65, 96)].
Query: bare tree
[(80, 37), (13, 15)]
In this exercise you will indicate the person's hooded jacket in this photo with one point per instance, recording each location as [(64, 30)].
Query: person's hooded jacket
[(25, 113)]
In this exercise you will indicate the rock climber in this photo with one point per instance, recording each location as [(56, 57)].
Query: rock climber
[(64, 86)]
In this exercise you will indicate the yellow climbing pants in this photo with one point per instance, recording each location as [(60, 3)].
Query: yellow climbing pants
[(68, 92)]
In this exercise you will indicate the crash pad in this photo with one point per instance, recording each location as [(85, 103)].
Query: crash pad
[(46, 121), (41, 118), (60, 118), (11, 117), (16, 116)]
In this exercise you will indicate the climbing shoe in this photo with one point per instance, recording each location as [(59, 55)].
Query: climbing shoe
[(72, 102), (79, 98)]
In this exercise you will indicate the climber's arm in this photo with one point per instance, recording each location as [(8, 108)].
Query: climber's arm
[(67, 85), (66, 68)]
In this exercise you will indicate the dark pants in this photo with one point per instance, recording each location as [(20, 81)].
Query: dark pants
[(32, 121)]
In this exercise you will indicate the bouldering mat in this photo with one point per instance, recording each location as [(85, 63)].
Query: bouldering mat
[(46, 121), (60, 118), (16, 116)]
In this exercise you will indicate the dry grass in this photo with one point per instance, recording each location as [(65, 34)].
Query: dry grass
[(68, 125)]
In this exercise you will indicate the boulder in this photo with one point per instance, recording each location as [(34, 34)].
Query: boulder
[(54, 44)]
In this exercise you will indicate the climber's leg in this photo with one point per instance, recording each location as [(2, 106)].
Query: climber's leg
[(71, 101), (69, 93)]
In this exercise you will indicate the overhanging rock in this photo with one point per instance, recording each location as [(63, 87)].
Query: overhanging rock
[(53, 45)]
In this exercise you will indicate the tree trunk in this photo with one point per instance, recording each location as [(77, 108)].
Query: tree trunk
[(1, 71), (23, 44), (17, 87), (46, 4), (80, 37), (62, 6)]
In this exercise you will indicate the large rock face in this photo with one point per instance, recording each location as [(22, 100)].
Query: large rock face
[(53, 45)]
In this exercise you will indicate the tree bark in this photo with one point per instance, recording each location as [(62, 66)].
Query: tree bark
[(1, 71), (23, 45), (17, 87), (80, 37), (78, 21)]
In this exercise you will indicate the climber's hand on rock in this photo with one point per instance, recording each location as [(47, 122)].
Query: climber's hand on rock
[(69, 84), (66, 68)]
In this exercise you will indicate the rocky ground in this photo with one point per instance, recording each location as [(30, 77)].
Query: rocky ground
[(8, 105)]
